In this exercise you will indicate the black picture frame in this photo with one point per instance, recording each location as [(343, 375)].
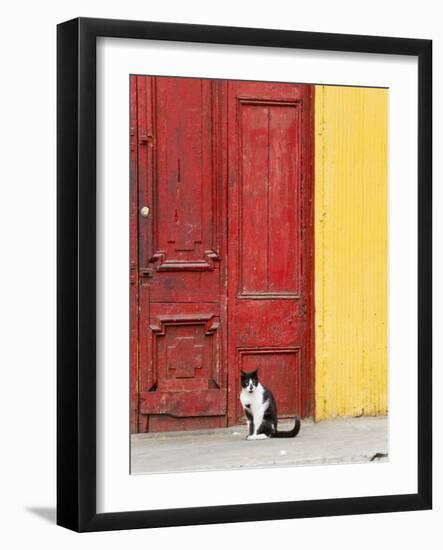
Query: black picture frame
[(76, 278)]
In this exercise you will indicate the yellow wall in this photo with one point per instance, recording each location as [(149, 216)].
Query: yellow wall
[(350, 251)]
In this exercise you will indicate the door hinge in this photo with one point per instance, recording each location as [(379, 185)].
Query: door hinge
[(146, 273)]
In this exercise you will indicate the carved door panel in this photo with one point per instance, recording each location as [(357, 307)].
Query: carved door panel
[(270, 241), (181, 255)]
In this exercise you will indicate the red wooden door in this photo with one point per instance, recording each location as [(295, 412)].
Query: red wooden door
[(196, 146), (182, 258), (270, 241)]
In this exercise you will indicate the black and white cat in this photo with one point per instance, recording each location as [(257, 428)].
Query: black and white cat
[(261, 409)]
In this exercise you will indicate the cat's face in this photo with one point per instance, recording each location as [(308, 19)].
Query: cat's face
[(249, 381)]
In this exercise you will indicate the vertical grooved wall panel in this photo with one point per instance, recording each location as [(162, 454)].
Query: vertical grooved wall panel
[(351, 257)]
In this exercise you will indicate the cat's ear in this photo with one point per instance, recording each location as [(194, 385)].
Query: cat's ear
[(254, 372)]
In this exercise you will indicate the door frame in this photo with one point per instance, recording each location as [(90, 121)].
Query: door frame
[(134, 316), (232, 382)]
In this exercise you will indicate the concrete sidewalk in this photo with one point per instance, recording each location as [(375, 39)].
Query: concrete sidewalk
[(338, 441)]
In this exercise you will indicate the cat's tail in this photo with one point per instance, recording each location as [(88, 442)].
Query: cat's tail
[(290, 433)]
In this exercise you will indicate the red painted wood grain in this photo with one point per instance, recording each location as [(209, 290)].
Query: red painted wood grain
[(222, 268)]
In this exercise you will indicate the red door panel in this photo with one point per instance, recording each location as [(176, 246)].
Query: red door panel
[(270, 241), (182, 290)]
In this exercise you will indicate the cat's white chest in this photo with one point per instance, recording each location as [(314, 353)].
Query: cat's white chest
[(254, 404), (253, 401)]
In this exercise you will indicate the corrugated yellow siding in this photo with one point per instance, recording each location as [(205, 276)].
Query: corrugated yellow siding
[(351, 261)]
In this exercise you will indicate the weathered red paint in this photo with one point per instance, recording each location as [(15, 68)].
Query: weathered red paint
[(225, 168), (270, 241), (133, 259), (182, 291)]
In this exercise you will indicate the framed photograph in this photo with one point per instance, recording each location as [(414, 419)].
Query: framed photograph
[(244, 274)]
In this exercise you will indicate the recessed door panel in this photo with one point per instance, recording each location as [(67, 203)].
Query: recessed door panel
[(269, 182)]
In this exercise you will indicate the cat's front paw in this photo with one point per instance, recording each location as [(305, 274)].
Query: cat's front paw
[(254, 437)]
